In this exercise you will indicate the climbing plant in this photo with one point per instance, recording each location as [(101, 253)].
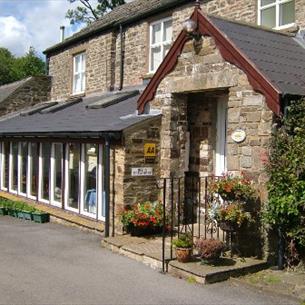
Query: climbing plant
[(286, 168)]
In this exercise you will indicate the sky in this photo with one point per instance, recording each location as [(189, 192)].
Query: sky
[(26, 23)]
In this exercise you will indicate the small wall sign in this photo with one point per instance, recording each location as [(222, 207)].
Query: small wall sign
[(141, 171), (149, 150), (238, 136)]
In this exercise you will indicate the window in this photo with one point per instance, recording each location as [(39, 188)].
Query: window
[(79, 73), (5, 164), (45, 158), (14, 167), (160, 42), (276, 13), (23, 164), (73, 176), (33, 170), (56, 174), (89, 178)]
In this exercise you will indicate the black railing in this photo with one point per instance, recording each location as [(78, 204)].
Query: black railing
[(187, 208)]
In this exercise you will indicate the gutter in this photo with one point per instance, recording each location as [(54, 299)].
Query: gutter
[(72, 40)]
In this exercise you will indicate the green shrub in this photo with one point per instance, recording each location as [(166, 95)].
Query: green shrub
[(184, 241)]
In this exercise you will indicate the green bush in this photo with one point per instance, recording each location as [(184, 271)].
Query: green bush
[(184, 241), (286, 169)]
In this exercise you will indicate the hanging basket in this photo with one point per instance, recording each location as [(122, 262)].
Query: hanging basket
[(228, 226)]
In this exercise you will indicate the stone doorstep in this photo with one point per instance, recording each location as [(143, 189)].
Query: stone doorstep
[(59, 215), (137, 248)]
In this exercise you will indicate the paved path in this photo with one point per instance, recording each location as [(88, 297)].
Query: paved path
[(53, 264)]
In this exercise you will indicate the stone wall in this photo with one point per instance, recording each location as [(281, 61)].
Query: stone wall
[(126, 189), (208, 72), (34, 90), (104, 51)]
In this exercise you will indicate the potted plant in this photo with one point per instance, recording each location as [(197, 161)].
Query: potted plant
[(184, 247), (231, 216), (40, 217), (143, 218), (231, 188), (209, 250)]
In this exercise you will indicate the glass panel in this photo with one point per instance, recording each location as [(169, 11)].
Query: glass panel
[(77, 64), (23, 165), (83, 82), (156, 33), (90, 180), (156, 58), (287, 13), (165, 50), (73, 174), (45, 170), (268, 17), (57, 172), (14, 164), (77, 83), (33, 169), (6, 162), (266, 2), (83, 63), (167, 35)]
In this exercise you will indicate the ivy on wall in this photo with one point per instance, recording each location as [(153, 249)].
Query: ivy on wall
[(286, 168)]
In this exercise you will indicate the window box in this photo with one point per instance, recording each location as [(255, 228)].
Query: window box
[(41, 217)]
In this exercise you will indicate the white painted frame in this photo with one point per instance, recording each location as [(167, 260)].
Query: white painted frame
[(53, 175), (276, 4), (29, 178), (162, 44), (41, 177), (100, 184), (221, 130), (19, 169), (67, 183), (82, 211), (81, 73), (3, 168), (11, 171)]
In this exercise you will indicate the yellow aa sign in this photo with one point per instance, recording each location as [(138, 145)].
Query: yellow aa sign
[(149, 150)]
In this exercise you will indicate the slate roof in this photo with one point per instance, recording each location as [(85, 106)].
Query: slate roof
[(76, 119), (7, 90), (278, 56), (123, 14)]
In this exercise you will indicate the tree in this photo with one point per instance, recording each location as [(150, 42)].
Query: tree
[(15, 68), (6, 62), (86, 13)]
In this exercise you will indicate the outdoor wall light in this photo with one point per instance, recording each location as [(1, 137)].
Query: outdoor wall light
[(190, 27)]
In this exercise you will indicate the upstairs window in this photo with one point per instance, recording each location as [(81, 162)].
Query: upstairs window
[(276, 13), (160, 42), (79, 73)]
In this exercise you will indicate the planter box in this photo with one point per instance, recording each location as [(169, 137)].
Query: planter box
[(41, 217), (20, 214), (27, 215), (11, 212), (140, 231), (3, 211)]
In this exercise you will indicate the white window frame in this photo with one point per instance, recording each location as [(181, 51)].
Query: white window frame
[(41, 177), (276, 4), (53, 175), (67, 183), (161, 44), (100, 184), (82, 74), (10, 170), (29, 178), (19, 169), (3, 168), (221, 132)]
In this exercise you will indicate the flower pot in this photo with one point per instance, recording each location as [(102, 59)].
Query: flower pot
[(27, 215), (184, 254), (3, 211), (228, 226), (41, 217)]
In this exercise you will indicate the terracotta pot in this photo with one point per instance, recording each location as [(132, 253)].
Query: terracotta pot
[(184, 254)]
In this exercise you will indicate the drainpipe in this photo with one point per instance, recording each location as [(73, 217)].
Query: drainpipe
[(121, 59), (107, 186)]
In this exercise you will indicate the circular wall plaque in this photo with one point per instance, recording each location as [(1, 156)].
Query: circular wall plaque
[(238, 135)]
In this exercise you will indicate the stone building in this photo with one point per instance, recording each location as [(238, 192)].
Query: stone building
[(135, 98)]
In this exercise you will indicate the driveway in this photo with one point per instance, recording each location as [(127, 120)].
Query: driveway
[(55, 264)]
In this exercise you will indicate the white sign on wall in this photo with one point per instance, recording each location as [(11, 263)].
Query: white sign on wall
[(141, 171), (238, 136)]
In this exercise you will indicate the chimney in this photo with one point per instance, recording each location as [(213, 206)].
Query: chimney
[(62, 33)]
